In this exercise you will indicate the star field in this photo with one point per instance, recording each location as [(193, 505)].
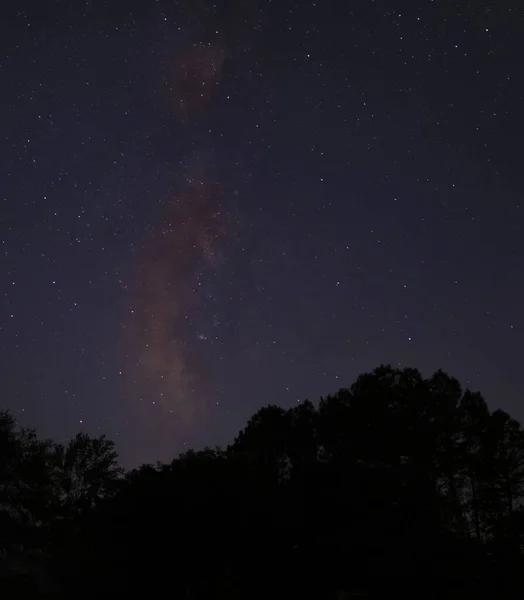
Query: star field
[(206, 208)]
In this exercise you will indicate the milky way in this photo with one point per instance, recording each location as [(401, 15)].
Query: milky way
[(166, 286), (187, 238), (212, 206)]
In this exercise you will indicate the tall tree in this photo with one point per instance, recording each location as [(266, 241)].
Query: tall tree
[(474, 420), (89, 471)]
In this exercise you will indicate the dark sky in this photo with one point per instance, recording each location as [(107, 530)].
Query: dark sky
[(206, 208)]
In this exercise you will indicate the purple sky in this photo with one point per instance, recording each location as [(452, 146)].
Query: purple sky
[(208, 210)]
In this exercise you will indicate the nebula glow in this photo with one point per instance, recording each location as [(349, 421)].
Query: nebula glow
[(187, 239)]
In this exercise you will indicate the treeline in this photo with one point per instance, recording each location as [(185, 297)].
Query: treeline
[(399, 485)]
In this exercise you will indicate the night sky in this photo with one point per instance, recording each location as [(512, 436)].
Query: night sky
[(206, 208)]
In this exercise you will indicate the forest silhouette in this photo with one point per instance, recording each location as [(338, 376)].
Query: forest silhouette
[(398, 486)]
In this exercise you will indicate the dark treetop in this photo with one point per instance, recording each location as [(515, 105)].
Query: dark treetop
[(397, 487)]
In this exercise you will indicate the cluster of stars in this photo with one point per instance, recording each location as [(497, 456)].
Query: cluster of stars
[(229, 212)]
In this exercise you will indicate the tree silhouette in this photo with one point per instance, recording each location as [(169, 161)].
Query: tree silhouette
[(397, 484), (88, 471)]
